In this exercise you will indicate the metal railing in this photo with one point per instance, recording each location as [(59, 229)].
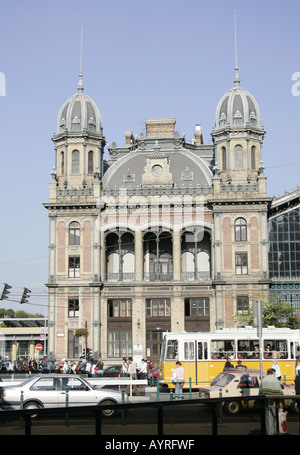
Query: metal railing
[(214, 405)]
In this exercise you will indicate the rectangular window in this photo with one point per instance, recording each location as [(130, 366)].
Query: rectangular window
[(119, 308), (222, 349), (73, 305), (242, 304), (119, 344), (158, 307), (74, 267), (197, 306), (241, 263)]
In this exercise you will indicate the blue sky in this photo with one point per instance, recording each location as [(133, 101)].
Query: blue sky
[(141, 60)]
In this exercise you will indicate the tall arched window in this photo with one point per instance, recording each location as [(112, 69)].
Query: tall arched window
[(224, 159), (62, 161), (90, 162), (238, 157), (75, 162), (240, 226), (74, 233), (253, 159)]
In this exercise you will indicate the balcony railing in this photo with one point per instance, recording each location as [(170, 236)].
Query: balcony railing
[(158, 276), (193, 276), (153, 276), (114, 277)]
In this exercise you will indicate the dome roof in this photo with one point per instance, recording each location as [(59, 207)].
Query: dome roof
[(79, 113), (237, 109)]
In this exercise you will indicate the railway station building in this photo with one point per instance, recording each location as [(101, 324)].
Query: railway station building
[(162, 234)]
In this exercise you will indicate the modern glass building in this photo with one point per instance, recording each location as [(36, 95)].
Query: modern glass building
[(284, 246)]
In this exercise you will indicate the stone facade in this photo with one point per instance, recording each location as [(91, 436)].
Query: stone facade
[(163, 235)]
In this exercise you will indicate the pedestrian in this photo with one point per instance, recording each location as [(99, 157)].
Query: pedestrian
[(276, 367), (66, 367), (144, 370), (270, 386), (178, 380), (297, 367), (228, 365), (132, 373), (100, 367), (124, 367), (240, 366)]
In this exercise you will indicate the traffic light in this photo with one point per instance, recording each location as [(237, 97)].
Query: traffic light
[(25, 296), (88, 353), (5, 291)]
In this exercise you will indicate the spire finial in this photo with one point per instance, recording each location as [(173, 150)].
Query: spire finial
[(80, 83), (237, 77)]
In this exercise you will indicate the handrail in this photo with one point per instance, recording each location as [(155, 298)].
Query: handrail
[(212, 403)]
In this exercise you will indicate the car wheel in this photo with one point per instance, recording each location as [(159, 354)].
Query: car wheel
[(233, 407), (32, 405), (108, 412)]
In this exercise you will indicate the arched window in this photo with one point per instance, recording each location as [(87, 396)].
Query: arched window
[(253, 159), (90, 162), (74, 233), (62, 161), (240, 230), (238, 157), (75, 162), (224, 159)]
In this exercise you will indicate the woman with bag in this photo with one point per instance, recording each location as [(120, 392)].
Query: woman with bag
[(178, 380)]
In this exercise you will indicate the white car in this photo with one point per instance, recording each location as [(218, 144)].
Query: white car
[(239, 383), (58, 390)]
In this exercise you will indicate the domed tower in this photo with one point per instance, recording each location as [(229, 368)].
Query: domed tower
[(238, 134), (79, 141), (74, 227)]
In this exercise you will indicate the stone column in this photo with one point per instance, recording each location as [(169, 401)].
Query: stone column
[(139, 262), (176, 255)]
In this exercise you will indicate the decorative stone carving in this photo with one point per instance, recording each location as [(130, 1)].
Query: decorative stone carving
[(157, 172)]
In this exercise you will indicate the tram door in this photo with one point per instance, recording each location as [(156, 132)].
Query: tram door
[(201, 371)]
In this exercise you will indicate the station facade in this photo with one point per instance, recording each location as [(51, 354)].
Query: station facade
[(164, 234)]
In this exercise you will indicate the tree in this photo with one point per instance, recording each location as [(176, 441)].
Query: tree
[(275, 311)]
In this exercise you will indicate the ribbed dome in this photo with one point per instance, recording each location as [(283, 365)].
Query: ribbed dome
[(237, 109), (79, 113)]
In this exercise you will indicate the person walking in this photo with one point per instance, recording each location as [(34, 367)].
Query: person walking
[(270, 386), (277, 370), (143, 370), (132, 373), (124, 367), (178, 380), (100, 367)]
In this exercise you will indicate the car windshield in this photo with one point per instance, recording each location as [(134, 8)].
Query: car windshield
[(224, 380)]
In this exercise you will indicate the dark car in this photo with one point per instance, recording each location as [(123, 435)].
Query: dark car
[(113, 371)]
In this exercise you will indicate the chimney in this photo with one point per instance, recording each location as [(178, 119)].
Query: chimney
[(198, 135), (128, 137), (161, 127)]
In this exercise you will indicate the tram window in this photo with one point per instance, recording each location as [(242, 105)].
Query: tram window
[(189, 353), (202, 350), (222, 349), (172, 349), (248, 349), (275, 349)]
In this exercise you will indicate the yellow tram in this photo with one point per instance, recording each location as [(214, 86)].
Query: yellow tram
[(203, 354)]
